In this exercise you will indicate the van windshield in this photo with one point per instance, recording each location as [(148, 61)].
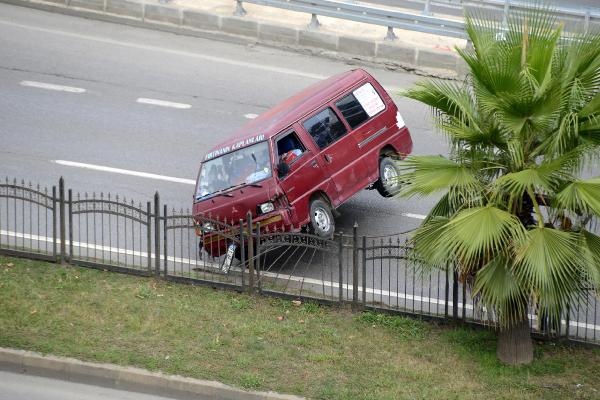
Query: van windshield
[(241, 167)]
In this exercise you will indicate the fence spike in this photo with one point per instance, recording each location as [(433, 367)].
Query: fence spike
[(15, 181)]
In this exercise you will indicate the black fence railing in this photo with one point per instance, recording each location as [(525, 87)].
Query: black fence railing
[(367, 272)]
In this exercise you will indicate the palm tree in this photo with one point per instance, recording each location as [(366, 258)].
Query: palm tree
[(515, 212)]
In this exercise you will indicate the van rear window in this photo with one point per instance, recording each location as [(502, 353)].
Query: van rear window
[(360, 105), (352, 111)]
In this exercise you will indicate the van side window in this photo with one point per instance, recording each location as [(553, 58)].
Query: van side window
[(352, 111), (360, 105), (325, 127), (289, 148)]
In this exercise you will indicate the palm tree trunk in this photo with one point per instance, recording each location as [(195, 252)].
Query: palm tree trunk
[(514, 344)]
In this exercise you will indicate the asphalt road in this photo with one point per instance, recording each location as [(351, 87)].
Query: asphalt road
[(108, 67), (26, 387)]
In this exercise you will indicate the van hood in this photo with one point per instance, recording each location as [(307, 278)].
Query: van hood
[(232, 205)]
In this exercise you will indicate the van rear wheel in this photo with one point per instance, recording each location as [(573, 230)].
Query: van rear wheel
[(321, 218), (388, 184)]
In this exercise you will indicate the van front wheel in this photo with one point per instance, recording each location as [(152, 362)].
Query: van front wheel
[(321, 218), (388, 184)]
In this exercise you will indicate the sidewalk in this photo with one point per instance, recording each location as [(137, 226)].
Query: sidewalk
[(126, 378)]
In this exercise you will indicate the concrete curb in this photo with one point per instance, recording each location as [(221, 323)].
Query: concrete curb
[(245, 30), (126, 378)]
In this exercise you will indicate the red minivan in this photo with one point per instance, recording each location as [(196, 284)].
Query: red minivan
[(296, 163)]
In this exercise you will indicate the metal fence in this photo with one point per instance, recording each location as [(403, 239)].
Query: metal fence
[(447, 23), (368, 272)]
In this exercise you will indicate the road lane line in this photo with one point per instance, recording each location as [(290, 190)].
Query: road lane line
[(125, 172), (244, 64), (163, 103), (51, 86), (250, 116), (310, 281)]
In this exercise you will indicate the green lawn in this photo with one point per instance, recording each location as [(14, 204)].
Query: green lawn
[(269, 344)]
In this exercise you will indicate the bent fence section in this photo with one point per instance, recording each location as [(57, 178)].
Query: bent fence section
[(377, 273)]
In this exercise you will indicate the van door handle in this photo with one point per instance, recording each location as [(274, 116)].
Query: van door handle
[(328, 157)]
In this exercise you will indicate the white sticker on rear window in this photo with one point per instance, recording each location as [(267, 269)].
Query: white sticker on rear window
[(369, 99)]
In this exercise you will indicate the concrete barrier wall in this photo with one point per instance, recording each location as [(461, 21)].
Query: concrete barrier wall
[(247, 30)]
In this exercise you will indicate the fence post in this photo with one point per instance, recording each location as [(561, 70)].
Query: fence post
[(447, 292), (364, 271), (250, 252), (355, 266), (165, 267), (257, 256), (148, 235), (341, 267), (242, 252), (62, 220), (156, 234), (70, 225), (54, 200), (454, 293)]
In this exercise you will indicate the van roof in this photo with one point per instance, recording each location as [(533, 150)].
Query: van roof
[(287, 112)]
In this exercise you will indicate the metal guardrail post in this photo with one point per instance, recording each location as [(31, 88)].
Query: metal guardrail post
[(156, 234), (426, 10), (390, 34), (355, 265), (314, 23), (62, 220), (239, 9), (505, 13)]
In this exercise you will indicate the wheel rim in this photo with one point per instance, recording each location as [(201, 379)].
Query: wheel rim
[(390, 176), (322, 220)]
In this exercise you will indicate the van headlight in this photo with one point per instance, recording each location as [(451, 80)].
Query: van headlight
[(266, 207), (208, 227)]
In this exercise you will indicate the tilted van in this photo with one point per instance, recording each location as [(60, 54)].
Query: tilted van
[(296, 163)]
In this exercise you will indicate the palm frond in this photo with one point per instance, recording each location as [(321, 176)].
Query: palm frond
[(477, 235), (580, 196)]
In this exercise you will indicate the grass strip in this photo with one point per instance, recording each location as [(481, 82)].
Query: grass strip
[(264, 343)]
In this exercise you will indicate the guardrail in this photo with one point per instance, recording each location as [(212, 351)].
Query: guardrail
[(424, 22), (365, 14)]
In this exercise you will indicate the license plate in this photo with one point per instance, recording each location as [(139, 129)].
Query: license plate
[(228, 258)]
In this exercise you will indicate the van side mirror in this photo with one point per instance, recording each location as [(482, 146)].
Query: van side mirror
[(282, 169)]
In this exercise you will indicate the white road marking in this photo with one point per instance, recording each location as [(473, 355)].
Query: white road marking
[(244, 64), (250, 116), (50, 86), (125, 172), (163, 103), (310, 281), (415, 216)]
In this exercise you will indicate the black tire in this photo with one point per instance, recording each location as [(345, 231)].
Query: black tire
[(388, 184), (321, 218)]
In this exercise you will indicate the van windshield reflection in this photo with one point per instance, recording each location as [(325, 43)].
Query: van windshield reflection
[(245, 166)]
